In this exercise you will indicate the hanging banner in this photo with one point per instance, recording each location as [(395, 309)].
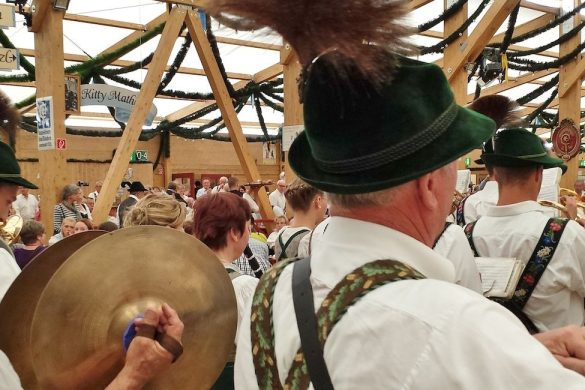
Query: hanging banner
[(7, 16), (289, 133), (121, 99), (9, 59), (45, 131)]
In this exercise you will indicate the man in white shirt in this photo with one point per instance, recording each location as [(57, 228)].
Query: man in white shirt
[(385, 151), (277, 199), (26, 205), (98, 187), (204, 190), (514, 227), (220, 187)]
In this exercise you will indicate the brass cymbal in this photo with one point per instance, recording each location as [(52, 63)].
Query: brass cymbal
[(18, 305), (81, 315)]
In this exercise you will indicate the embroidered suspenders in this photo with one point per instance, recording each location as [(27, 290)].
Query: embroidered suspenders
[(460, 215), (346, 293), (539, 260)]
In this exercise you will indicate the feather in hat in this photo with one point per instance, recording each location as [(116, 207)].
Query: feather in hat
[(314, 27), (9, 118), (499, 108)]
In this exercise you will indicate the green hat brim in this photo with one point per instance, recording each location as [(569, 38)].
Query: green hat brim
[(467, 132), (504, 160), (19, 181)]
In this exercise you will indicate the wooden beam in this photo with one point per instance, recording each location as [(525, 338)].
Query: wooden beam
[(136, 34), (51, 83), (513, 82), (268, 74), (525, 27), (142, 27), (39, 9), (293, 109), (540, 7), (287, 55), (192, 3), (575, 75), (415, 4), (181, 70), (456, 74), (105, 22), (134, 127), (570, 102), (226, 107), (481, 35)]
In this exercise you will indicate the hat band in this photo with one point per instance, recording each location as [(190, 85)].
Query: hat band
[(533, 155), (9, 175), (394, 152)]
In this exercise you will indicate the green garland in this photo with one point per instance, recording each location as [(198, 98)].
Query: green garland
[(439, 47), (76, 160), (538, 91), (5, 42), (452, 10), (530, 117)]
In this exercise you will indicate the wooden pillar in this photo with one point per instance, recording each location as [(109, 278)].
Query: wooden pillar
[(457, 75), (50, 81), (570, 101), (293, 109), (227, 109), (129, 139)]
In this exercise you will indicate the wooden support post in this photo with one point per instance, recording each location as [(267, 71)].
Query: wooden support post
[(457, 76), (293, 109), (468, 50), (570, 102), (39, 10), (50, 81), (134, 127), (226, 107)]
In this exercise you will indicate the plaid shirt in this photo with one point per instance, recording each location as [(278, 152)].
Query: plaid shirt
[(260, 251)]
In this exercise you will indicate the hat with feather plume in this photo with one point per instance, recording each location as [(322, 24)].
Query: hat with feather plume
[(374, 118)]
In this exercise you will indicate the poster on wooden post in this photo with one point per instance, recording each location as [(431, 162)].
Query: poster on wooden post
[(45, 122), (72, 94)]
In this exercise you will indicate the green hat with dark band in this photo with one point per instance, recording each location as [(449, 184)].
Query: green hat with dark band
[(362, 138), (519, 148), (9, 168)]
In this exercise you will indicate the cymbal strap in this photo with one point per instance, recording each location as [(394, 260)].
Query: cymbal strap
[(170, 344)]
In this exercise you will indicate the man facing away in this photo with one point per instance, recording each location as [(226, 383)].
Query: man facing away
[(383, 143), (516, 228)]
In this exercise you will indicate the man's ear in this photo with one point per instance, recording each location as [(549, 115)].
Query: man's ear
[(427, 188)]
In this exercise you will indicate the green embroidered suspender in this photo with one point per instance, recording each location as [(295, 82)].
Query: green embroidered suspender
[(347, 292), (535, 267)]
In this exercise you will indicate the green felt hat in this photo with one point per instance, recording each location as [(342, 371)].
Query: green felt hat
[(359, 138), (487, 148), (520, 148), (9, 168)]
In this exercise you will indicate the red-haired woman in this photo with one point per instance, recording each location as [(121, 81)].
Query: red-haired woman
[(222, 222)]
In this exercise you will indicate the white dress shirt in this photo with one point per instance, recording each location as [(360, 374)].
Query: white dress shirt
[(453, 245), (27, 207), (8, 377), (475, 205), (244, 287), (413, 334), (514, 231), (278, 202), (9, 270)]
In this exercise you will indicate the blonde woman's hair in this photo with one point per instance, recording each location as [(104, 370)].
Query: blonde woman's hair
[(160, 210)]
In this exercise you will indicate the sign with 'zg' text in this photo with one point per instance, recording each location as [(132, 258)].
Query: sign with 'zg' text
[(9, 59)]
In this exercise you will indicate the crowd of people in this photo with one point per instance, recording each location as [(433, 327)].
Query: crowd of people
[(364, 282)]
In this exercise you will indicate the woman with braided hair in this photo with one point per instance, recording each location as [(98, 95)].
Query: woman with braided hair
[(159, 210)]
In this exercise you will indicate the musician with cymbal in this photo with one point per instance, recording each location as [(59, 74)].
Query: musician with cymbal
[(552, 288), (146, 358)]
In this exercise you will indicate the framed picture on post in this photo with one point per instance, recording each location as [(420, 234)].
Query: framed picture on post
[(72, 94)]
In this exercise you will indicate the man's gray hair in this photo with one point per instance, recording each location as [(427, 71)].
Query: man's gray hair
[(377, 198)]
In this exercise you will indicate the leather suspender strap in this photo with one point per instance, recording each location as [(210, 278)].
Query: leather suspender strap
[(468, 229), (307, 324), (284, 246), (447, 224)]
